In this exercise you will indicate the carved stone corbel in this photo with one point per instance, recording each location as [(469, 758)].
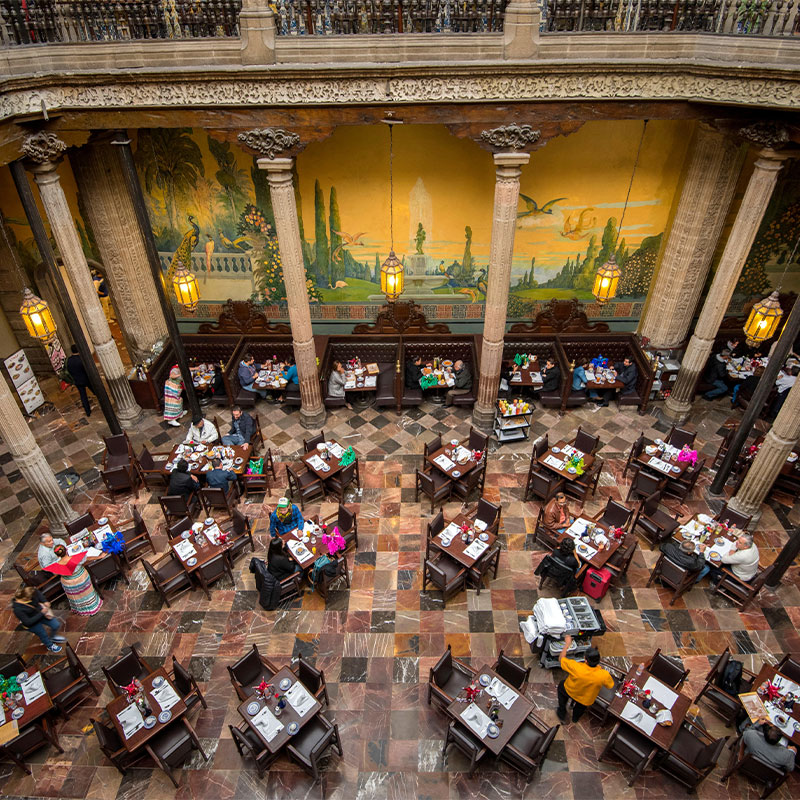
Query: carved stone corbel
[(269, 142)]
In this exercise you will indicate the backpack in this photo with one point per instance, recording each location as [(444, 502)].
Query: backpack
[(732, 678), (324, 564)]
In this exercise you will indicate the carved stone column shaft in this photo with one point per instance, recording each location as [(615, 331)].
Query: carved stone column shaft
[(279, 174), (754, 204), (101, 183), (771, 457), (501, 254), (32, 462), (63, 228), (714, 165)]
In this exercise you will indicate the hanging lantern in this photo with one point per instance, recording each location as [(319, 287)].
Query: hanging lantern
[(765, 316), (185, 283), (37, 316), (392, 275), (606, 280)]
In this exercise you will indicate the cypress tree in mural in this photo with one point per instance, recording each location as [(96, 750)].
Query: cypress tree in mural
[(261, 188), (466, 261), (298, 201), (376, 278), (320, 238), (337, 252)]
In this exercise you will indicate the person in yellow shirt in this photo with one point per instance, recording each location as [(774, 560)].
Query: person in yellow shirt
[(583, 681)]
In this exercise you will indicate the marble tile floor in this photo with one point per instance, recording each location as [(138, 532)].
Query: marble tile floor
[(377, 641)]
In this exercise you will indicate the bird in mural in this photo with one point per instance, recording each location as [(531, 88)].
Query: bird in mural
[(347, 240), (183, 252), (471, 293), (481, 282), (532, 209), (232, 244), (581, 228)]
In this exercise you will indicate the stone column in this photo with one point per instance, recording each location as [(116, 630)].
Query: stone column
[(32, 463), (281, 190), (754, 204), (521, 24), (771, 457), (714, 166), (110, 212), (44, 150), (501, 253)]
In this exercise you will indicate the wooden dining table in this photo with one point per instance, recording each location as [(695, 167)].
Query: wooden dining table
[(598, 559), (563, 472), (332, 462), (456, 548), (204, 554), (319, 547), (143, 735), (287, 716), (462, 469), (666, 468), (768, 672), (526, 375), (509, 720), (32, 711), (196, 467), (662, 736)]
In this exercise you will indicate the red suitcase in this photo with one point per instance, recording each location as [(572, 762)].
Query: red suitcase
[(596, 582)]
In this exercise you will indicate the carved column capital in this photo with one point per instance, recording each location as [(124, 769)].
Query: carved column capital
[(511, 137), (43, 149), (767, 134), (279, 170), (269, 142)]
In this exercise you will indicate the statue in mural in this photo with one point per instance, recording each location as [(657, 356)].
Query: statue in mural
[(533, 210), (183, 253), (580, 229), (210, 244), (419, 239)]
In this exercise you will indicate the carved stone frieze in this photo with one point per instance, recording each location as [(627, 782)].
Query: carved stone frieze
[(511, 137), (766, 134), (269, 142), (43, 147)]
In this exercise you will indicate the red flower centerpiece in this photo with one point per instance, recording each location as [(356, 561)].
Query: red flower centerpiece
[(617, 533), (472, 691), (263, 689)]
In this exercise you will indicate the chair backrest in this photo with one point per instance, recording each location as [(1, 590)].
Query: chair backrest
[(443, 669), (425, 482), (616, 514), (76, 668), (77, 525), (117, 445), (477, 440), (347, 473), (177, 528), (146, 459), (542, 483), (215, 496), (645, 484), (436, 574), (240, 524), (152, 574), (117, 478), (678, 437), (433, 445), (650, 503), (790, 668), (345, 518), (174, 505), (182, 679), (761, 579), (707, 758), (666, 670), (213, 568), (311, 444), (13, 666), (510, 671), (436, 525), (717, 671), (247, 668), (544, 743), (638, 446), (586, 442), (540, 447), (126, 668), (732, 517), (487, 512), (753, 767), (671, 572), (138, 522), (104, 568), (107, 737), (309, 676)]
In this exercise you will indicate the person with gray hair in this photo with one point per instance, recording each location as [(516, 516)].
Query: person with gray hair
[(682, 554), (742, 560), (45, 554)]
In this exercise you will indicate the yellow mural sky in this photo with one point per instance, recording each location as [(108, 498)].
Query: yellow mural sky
[(588, 169)]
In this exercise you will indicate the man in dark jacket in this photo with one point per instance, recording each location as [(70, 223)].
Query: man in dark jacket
[(77, 371), (682, 554), (627, 374), (413, 373), (716, 375), (463, 382), (267, 586), (182, 482), (243, 426)]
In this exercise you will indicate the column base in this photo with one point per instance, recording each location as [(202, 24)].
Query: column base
[(483, 418), (740, 508), (676, 411), (131, 419), (313, 418)]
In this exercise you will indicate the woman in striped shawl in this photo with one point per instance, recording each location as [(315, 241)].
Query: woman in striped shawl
[(173, 401)]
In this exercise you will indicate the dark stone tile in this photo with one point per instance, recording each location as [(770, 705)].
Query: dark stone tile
[(382, 622), (481, 622), (353, 670)]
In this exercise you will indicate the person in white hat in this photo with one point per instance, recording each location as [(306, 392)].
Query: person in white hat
[(285, 518)]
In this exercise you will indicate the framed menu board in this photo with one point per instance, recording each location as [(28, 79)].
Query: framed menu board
[(24, 381)]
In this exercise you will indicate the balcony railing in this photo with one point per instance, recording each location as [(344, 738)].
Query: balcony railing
[(26, 22)]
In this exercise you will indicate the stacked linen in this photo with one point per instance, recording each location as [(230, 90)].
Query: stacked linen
[(549, 617)]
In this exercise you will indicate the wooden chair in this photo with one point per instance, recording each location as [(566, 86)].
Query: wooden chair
[(152, 472), (31, 738), (257, 439), (248, 742), (347, 523), (170, 748), (186, 684), (176, 506), (789, 667), (327, 581), (167, 576), (127, 667), (213, 498), (733, 518), (527, 748), (16, 665), (540, 447), (113, 747), (724, 705), (466, 743), (475, 479), (304, 485), (722, 450), (66, 680), (436, 525), (77, 525), (311, 741), (511, 672), (635, 452), (631, 747), (666, 670), (692, 756), (619, 561), (121, 480), (46, 582), (105, 569), (241, 536), (678, 437), (118, 452), (339, 483), (541, 484), (269, 463), (447, 575), (654, 524), (615, 515), (435, 485), (489, 514), (753, 768), (179, 527), (586, 485), (489, 561), (428, 448), (478, 440), (673, 575), (447, 678), (311, 444), (313, 679), (212, 570), (249, 671), (643, 484), (137, 539), (680, 488), (255, 484), (741, 594), (586, 442)]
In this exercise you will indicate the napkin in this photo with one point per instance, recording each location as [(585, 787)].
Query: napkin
[(102, 531), (299, 550), (577, 528), (479, 525), (444, 462), (476, 548), (516, 377), (131, 720), (503, 693), (658, 464), (299, 699), (638, 717), (185, 549), (165, 696), (476, 719), (212, 533), (336, 449), (351, 384), (33, 688), (553, 462), (536, 377), (267, 725), (315, 462), (461, 452), (661, 693)]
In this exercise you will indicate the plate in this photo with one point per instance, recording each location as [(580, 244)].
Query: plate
[(484, 537), (169, 465), (22, 677), (186, 534), (658, 441), (150, 722), (719, 540), (17, 713), (165, 716), (157, 681), (209, 521), (556, 449), (456, 473), (792, 457), (676, 468), (285, 684), (796, 726), (102, 521), (199, 448), (325, 468), (238, 460), (571, 470), (454, 442), (582, 548), (253, 708), (321, 446), (781, 719), (714, 555), (292, 728), (485, 679), (492, 731), (191, 562)]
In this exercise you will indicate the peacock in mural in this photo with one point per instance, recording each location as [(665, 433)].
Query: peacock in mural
[(183, 252)]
